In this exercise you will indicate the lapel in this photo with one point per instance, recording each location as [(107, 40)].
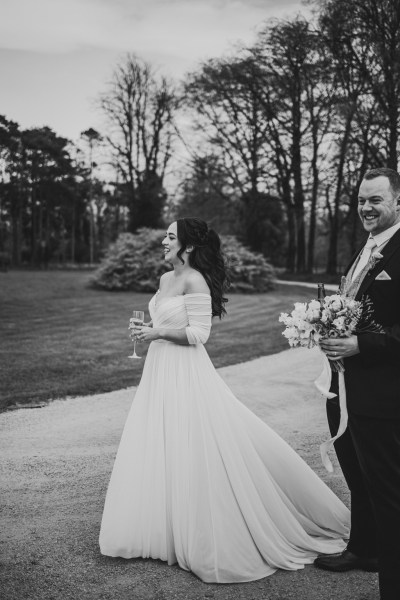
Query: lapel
[(391, 247)]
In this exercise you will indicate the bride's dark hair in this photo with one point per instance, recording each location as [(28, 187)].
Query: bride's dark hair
[(206, 257)]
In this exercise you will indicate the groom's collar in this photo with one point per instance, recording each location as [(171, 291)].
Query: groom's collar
[(379, 238), (387, 251), (384, 236)]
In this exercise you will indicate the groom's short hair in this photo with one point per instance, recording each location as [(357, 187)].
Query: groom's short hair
[(391, 174)]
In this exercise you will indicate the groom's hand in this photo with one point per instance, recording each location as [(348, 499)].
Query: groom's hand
[(336, 348)]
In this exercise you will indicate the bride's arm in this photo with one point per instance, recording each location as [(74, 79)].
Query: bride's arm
[(198, 306), (178, 336)]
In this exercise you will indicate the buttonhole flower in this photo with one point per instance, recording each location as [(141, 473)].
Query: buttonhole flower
[(373, 260)]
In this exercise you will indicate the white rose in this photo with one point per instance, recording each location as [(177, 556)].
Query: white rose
[(336, 305), (313, 314), (300, 308), (339, 323), (290, 332), (314, 305), (305, 334)]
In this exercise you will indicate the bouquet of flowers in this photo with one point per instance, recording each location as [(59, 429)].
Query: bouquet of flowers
[(309, 322), (334, 316)]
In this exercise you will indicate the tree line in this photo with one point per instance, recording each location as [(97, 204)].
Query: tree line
[(268, 143)]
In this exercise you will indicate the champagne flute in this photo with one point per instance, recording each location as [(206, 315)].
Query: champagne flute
[(136, 320)]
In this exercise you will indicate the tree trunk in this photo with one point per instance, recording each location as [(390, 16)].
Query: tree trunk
[(292, 239), (115, 233), (334, 233), (73, 243), (331, 267), (16, 217), (34, 218), (314, 198), (298, 195), (393, 136), (313, 221), (301, 240), (91, 233)]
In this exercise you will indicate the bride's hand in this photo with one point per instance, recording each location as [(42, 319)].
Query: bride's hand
[(133, 331), (146, 334)]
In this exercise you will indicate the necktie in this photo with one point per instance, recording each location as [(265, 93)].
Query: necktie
[(364, 257)]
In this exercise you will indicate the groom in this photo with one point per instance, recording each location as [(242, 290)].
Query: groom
[(369, 450)]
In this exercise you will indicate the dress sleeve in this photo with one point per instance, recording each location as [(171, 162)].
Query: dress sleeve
[(198, 308)]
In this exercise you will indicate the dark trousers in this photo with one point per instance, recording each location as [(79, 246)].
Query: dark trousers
[(369, 454)]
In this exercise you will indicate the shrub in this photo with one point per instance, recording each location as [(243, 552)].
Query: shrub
[(135, 262), (249, 271)]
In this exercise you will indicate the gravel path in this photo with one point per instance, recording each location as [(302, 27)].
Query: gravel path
[(56, 463)]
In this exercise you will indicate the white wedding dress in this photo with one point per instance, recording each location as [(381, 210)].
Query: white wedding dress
[(202, 481)]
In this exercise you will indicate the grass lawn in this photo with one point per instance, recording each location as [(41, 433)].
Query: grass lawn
[(61, 338)]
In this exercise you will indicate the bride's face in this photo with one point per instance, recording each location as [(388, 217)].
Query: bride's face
[(171, 244)]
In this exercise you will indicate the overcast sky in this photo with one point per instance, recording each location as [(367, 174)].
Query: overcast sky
[(57, 55)]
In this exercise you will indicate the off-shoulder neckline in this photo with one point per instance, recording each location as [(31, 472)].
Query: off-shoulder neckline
[(182, 295)]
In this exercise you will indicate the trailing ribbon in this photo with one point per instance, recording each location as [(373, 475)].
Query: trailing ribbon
[(323, 384)]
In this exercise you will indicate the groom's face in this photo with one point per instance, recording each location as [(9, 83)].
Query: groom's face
[(377, 206)]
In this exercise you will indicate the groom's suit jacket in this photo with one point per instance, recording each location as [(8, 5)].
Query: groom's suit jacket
[(373, 376)]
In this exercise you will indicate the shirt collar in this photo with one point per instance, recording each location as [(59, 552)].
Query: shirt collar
[(384, 236)]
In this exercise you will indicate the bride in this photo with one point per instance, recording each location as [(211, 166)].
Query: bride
[(198, 478)]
